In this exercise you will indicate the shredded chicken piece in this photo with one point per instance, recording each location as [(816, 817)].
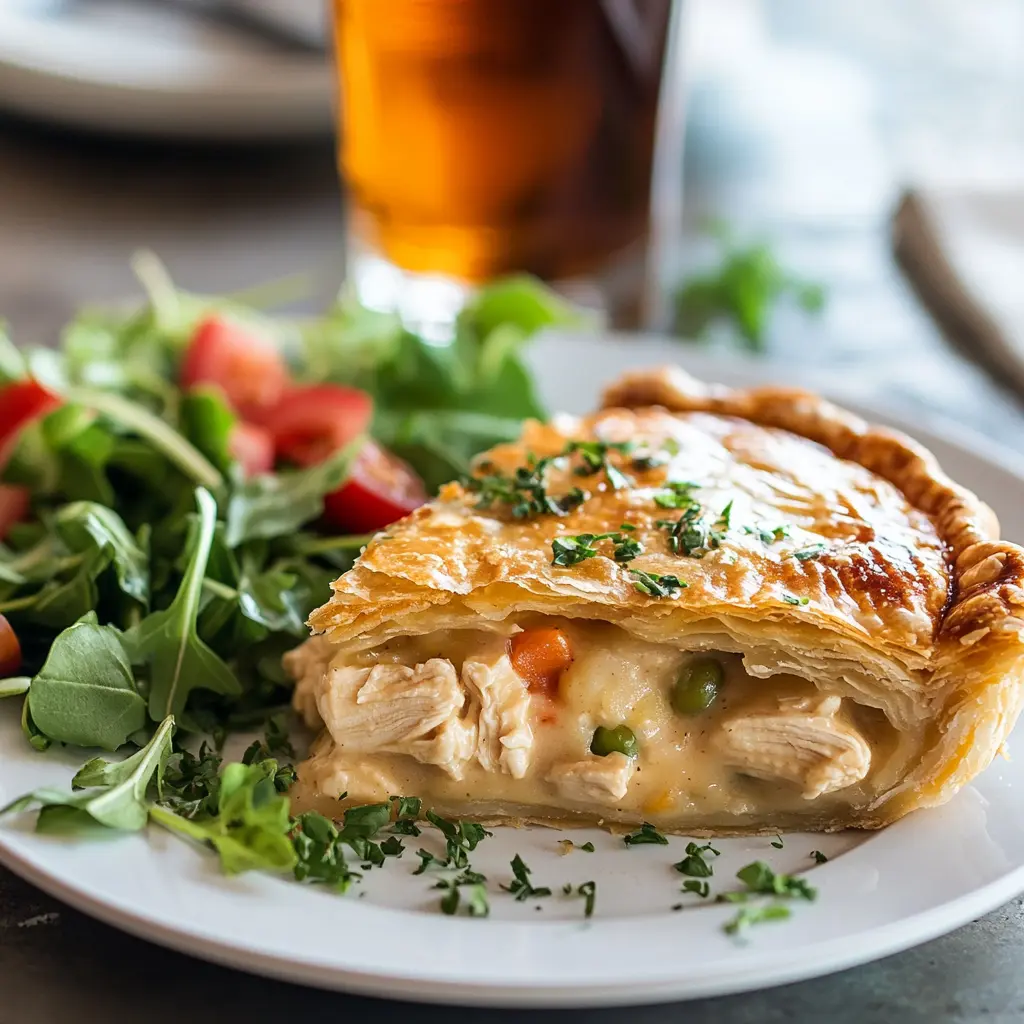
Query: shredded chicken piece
[(803, 741), (401, 710), (306, 664), (450, 748), (600, 780), (504, 734)]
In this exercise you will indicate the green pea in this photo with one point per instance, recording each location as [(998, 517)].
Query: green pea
[(618, 740), (697, 686)]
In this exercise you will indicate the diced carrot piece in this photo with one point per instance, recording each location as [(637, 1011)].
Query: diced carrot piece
[(540, 656)]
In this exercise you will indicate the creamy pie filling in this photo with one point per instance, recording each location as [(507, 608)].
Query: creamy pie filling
[(626, 729)]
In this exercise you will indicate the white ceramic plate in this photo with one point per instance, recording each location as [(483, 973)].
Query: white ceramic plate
[(879, 893), (143, 68)]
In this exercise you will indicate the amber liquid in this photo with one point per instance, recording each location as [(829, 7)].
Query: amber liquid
[(483, 137)]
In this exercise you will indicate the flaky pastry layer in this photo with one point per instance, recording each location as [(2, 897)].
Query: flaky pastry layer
[(913, 606)]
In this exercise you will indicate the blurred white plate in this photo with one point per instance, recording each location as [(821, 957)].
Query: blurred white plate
[(878, 893), (144, 68)]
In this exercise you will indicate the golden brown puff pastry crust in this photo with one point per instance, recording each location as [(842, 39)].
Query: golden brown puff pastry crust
[(913, 605)]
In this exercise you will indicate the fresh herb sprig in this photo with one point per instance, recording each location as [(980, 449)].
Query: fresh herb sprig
[(568, 551), (657, 585)]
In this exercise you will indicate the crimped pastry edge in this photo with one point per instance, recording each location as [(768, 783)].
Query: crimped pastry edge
[(980, 639)]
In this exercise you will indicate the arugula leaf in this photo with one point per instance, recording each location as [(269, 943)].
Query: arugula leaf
[(30, 731), (167, 642), (85, 525), (819, 857), (251, 830), (121, 800), (701, 889), (207, 422), (157, 432), (85, 693), (280, 503)]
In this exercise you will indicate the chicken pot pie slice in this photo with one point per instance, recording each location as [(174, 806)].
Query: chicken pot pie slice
[(718, 611)]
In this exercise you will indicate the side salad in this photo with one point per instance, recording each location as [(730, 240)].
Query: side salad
[(181, 484)]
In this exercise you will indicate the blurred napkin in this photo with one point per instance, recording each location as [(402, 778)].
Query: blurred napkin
[(964, 253)]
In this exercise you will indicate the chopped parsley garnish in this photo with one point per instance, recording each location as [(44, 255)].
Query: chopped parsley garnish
[(655, 585), (819, 857), (695, 862), (359, 826), (461, 838), (647, 834), (793, 599), (588, 890), (777, 842), (693, 533), (525, 490), (521, 887), (759, 878), (476, 898), (768, 534), (407, 810), (676, 494), (191, 784), (594, 455), (427, 859), (568, 846), (573, 550), (319, 854), (392, 847), (701, 889), (747, 916), (809, 552)]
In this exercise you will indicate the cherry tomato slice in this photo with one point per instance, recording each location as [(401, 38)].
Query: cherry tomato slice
[(381, 489), (10, 649), (246, 367), (310, 423), (253, 447), (14, 504), (21, 402), (540, 656)]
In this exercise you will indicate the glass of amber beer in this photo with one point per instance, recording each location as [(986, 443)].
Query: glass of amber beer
[(481, 138)]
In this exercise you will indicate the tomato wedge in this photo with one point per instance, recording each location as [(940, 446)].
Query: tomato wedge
[(381, 489), (246, 367), (253, 447), (310, 423), (14, 505), (10, 649), (20, 403)]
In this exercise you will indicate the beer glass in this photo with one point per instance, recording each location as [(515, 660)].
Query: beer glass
[(480, 138)]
